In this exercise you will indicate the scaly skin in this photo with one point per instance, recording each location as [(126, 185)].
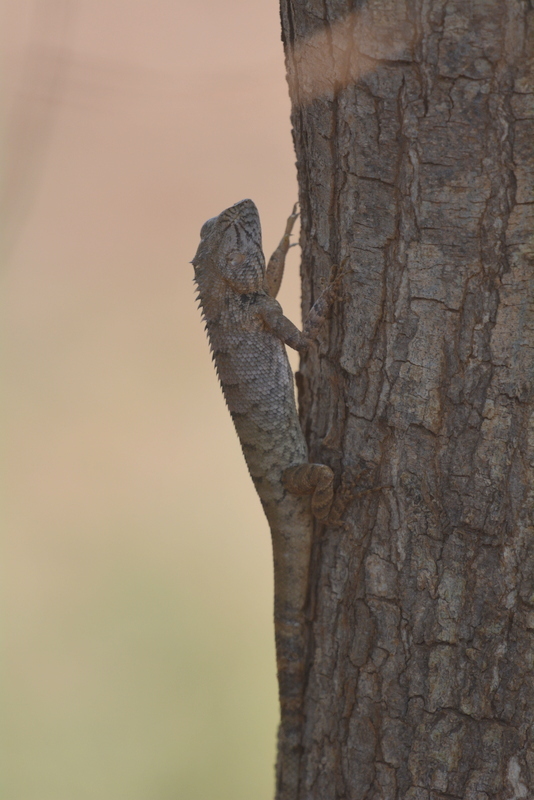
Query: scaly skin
[(247, 332)]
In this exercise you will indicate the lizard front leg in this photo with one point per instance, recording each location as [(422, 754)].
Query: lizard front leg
[(275, 268), (275, 321)]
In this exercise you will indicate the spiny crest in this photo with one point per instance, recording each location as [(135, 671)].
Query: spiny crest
[(198, 298)]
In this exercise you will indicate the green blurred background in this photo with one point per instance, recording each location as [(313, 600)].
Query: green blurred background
[(137, 609)]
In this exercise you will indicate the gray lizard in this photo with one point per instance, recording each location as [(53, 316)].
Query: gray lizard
[(248, 333)]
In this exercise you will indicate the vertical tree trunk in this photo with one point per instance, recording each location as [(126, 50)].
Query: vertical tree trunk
[(414, 132)]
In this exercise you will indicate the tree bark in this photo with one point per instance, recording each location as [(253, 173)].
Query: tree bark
[(413, 127)]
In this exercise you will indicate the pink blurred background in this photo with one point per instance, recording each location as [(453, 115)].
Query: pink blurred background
[(138, 622)]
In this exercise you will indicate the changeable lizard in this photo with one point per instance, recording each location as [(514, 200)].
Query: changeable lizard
[(248, 333)]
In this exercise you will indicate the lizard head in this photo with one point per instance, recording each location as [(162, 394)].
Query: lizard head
[(230, 245)]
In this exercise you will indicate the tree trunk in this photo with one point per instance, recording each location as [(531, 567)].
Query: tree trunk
[(414, 133)]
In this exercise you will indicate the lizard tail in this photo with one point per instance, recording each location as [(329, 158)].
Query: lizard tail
[(291, 655), (292, 530), (291, 551)]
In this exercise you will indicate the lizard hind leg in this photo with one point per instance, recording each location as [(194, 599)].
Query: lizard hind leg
[(314, 479)]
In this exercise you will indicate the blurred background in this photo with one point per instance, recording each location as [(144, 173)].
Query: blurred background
[(137, 603)]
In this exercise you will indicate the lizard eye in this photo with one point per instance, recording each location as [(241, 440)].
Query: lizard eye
[(235, 259)]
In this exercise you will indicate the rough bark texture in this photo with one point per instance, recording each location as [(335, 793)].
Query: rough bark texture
[(414, 132)]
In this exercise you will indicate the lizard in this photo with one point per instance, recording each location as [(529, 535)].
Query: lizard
[(247, 332)]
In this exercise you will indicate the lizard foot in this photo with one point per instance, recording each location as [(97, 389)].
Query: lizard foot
[(314, 479)]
